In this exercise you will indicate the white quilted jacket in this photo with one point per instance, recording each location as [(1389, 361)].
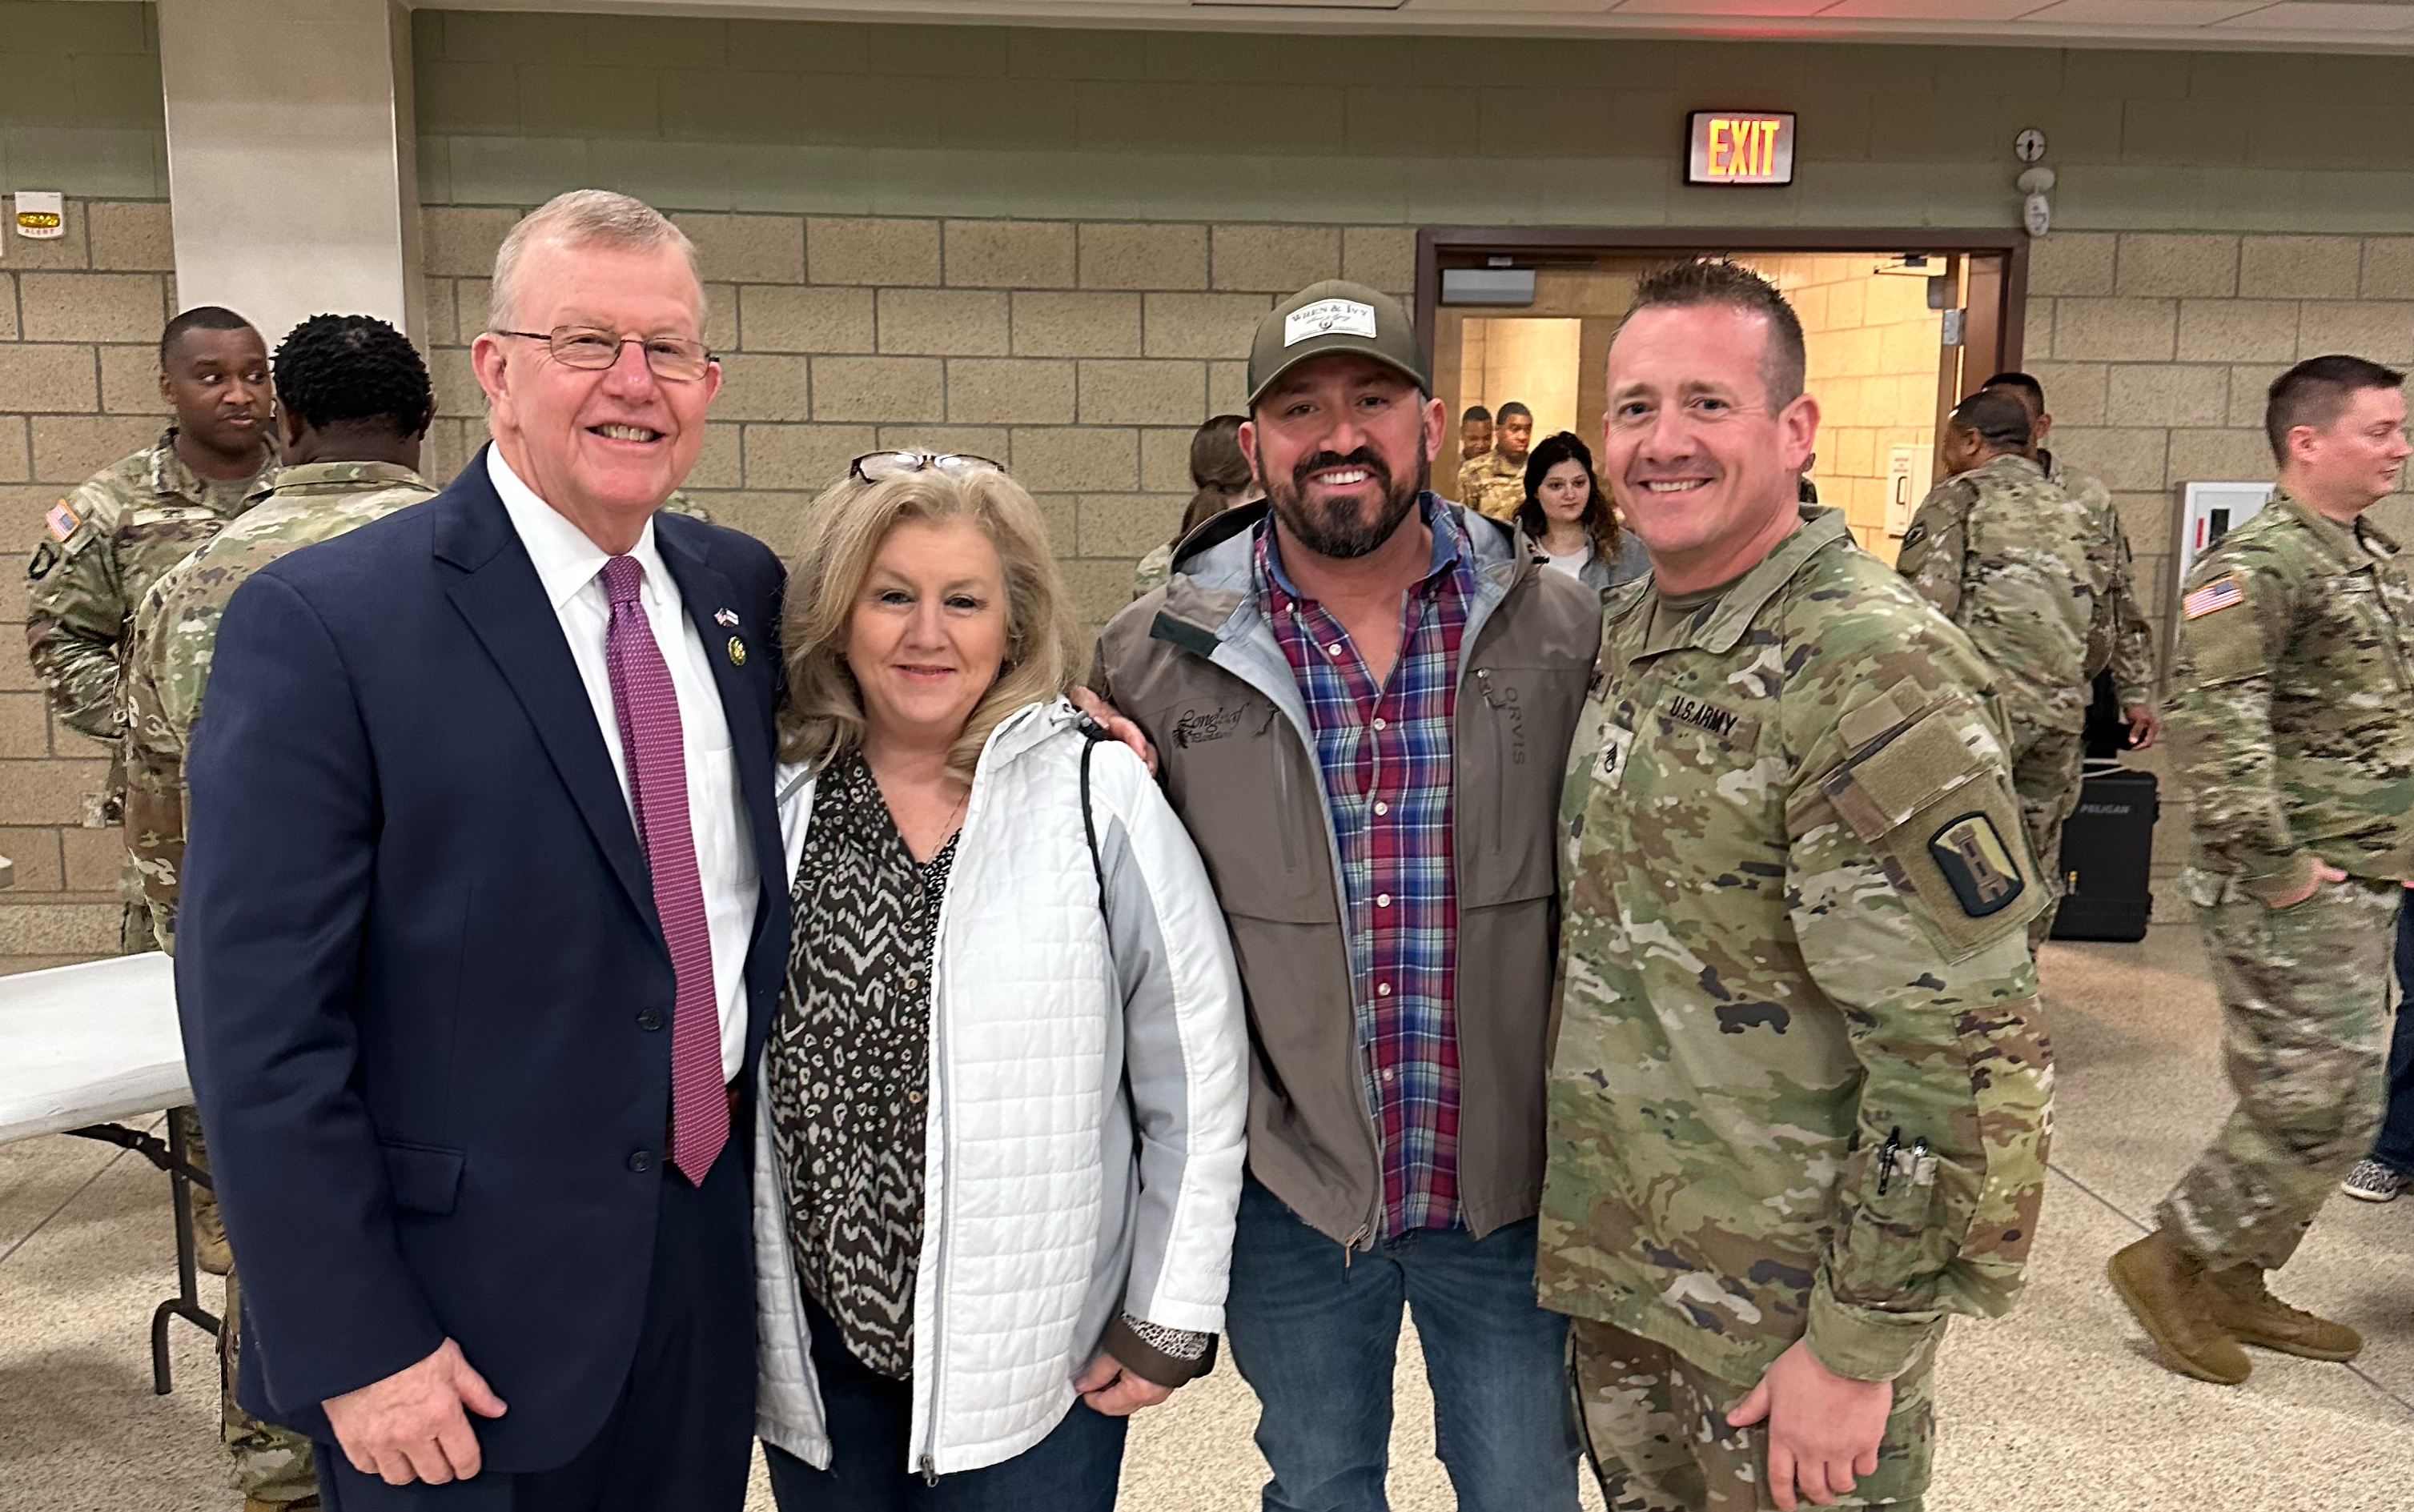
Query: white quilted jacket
[(1088, 1102)]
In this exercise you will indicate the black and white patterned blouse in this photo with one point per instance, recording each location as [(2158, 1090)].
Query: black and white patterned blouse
[(849, 1073)]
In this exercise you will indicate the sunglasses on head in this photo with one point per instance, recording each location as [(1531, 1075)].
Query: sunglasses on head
[(874, 466)]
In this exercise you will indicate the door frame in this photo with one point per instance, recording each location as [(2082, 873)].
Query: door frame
[(1605, 241)]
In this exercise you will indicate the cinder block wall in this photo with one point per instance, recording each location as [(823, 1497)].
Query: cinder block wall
[(1081, 354), (1048, 246)]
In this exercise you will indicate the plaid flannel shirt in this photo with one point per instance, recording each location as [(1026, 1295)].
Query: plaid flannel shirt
[(1384, 754)]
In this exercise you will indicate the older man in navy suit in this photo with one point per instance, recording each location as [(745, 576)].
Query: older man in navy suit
[(482, 929)]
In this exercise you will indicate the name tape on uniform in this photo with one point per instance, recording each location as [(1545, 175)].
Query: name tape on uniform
[(1328, 318)]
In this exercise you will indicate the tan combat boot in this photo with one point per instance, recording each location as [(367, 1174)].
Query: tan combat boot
[(209, 1250), (2167, 1290), (2248, 1312)]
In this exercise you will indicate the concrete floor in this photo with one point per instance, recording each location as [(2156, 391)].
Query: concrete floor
[(2058, 1407)]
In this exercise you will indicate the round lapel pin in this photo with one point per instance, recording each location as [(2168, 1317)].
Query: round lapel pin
[(736, 652)]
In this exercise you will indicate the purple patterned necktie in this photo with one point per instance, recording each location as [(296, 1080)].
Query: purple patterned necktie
[(656, 755)]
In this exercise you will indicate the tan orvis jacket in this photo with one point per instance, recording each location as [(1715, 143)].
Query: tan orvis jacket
[(1196, 664)]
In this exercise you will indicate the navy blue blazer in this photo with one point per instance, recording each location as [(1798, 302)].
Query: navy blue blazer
[(425, 992)]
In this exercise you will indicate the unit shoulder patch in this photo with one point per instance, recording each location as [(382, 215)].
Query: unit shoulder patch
[(1978, 864)]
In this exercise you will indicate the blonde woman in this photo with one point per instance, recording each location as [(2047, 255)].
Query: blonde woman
[(1003, 1096)]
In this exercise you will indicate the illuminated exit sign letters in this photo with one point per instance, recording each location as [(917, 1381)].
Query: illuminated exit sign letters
[(1741, 147)]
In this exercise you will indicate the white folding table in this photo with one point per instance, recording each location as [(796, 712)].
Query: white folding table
[(83, 1047)]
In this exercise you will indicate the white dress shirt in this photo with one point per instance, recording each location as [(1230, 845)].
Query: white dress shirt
[(571, 567)]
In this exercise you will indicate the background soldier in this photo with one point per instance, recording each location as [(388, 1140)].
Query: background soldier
[(2119, 637), (1494, 482), (2002, 554), (117, 532), (355, 402), (1474, 434), (2293, 718), (1792, 900), (135, 519)]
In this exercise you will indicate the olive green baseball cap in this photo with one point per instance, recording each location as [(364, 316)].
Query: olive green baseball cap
[(1336, 316)]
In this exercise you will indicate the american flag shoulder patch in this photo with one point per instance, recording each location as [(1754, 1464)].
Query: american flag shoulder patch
[(2221, 593), (62, 519)]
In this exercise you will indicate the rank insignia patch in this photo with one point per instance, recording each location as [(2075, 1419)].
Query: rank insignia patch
[(1978, 864)]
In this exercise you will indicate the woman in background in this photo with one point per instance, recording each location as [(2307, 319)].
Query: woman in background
[(1220, 471), (1571, 519)]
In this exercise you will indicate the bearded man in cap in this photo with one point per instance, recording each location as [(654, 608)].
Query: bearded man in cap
[(1359, 662)]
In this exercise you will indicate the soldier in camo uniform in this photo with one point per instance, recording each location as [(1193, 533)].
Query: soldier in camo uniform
[(2292, 720), (1495, 484), (355, 403), (2004, 553), (1798, 1106), (135, 519), (2119, 639), (107, 540)]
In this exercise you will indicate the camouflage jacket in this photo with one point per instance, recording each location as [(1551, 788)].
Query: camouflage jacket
[(2004, 553), (175, 629), (1798, 1088), (108, 542), (2118, 636), (1492, 485), (1152, 571), (2292, 705)]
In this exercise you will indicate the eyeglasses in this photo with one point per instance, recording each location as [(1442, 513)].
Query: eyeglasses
[(874, 466), (588, 347)]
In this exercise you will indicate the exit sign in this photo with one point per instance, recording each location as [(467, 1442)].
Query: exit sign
[(1741, 147)]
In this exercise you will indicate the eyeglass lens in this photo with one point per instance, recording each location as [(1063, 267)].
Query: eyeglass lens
[(670, 357)]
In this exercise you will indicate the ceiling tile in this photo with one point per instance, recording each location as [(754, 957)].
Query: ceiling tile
[(2140, 13), (1944, 10), (1707, 9), (2300, 15)]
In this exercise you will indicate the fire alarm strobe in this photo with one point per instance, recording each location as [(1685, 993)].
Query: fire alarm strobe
[(41, 215)]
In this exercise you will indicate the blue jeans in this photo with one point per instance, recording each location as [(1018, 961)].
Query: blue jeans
[(2394, 1149), (1077, 1468), (1315, 1332)]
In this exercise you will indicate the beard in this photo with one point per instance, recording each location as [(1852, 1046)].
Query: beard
[(1335, 529)]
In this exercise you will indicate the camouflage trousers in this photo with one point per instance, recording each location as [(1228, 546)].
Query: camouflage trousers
[(2305, 1039), (2045, 778), (268, 1463), (1656, 1429)]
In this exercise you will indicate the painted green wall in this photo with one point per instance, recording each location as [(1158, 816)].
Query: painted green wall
[(835, 118), (80, 107)]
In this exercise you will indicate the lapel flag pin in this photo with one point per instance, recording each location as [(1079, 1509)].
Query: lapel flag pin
[(736, 652), (725, 619)]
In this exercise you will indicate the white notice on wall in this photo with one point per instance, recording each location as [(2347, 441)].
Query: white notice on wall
[(2208, 511), (1907, 473)]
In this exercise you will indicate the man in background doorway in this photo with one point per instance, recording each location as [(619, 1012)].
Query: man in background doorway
[(1474, 434), (2119, 639), (1495, 484), (2003, 553)]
